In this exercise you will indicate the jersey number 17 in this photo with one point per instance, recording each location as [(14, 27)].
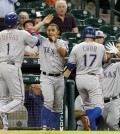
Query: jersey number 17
[(93, 58)]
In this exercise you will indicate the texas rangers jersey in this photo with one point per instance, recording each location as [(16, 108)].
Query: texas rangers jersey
[(111, 80), (12, 44), (88, 57), (51, 61)]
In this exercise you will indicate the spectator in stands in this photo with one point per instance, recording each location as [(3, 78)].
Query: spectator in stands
[(23, 16), (117, 7), (33, 104), (100, 37), (29, 51), (105, 5), (37, 17), (6, 6), (65, 21)]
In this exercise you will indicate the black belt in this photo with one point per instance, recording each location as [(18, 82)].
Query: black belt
[(49, 74), (91, 73), (11, 62), (106, 100)]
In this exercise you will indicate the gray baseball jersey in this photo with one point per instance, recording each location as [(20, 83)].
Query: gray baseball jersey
[(12, 44), (111, 76), (88, 57), (51, 61)]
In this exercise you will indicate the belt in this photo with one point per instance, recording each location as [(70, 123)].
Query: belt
[(49, 74), (106, 100), (91, 73), (1, 19)]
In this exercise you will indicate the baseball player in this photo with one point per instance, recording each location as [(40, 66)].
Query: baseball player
[(88, 57), (99, 37), (79, 112), (52, 52), (12, 45), (111, 89)]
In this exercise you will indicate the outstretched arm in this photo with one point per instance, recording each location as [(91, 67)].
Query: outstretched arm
[(112, 49), (46, 20)]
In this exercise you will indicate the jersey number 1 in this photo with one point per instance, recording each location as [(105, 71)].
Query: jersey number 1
[(92, 61), (8, 48)]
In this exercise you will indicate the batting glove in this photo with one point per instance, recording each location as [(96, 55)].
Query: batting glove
[(111, 47)]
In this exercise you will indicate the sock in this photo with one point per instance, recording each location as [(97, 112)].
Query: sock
[(93, 114), (54, 118), (45, 116)]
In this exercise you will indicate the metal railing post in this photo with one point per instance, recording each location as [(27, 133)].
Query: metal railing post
[(97, 9), (71, 90), (112, 15)]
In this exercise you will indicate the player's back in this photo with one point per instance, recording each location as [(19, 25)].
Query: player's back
[(89, 57), (12, 44)]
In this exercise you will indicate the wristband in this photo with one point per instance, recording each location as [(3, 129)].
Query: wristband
[(40, 24)]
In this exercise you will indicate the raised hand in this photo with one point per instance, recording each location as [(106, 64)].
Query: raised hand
[(111, 48), (48, 19)]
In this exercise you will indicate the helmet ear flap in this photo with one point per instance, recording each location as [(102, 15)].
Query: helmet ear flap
[(11, 19), (88, 32)]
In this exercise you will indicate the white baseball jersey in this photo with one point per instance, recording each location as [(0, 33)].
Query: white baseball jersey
[(111, 80), (88, 57), (12, 44), (51, 61)]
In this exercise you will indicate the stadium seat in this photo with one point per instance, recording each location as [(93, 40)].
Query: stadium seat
[(108, 37), (81, 28), (70, 6), (21, 5), (38, 5), (106, 42), (81, 14), (44, 34), (48, 11), (80, 41), (110, 29), (117, 36), (71, 37), (30, 11), (94, 22)]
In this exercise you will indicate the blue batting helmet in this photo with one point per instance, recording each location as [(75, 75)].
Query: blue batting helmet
[(11, 19), (88, 32)]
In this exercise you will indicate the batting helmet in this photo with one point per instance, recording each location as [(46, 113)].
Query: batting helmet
[(11, 19), (88, 32)]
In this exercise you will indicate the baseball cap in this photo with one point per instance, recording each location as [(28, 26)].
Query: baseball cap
[(99, 34), (37, 14)]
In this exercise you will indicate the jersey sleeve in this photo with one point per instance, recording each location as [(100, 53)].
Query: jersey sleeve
[(104, 55), (29, 39)]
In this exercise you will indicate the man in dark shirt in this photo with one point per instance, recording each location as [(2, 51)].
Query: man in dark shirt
[(65, 21)]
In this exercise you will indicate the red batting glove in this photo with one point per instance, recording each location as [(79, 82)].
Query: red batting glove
[(31, 30)]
